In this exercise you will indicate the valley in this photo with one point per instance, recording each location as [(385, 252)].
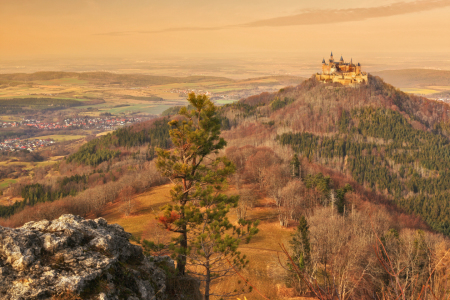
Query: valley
[(225, 150), (96, 93), (371, 159)]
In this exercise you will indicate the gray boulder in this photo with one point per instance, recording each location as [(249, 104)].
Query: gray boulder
[(71, 256)]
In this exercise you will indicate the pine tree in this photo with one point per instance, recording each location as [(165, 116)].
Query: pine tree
[(301, 252), (300, 243), (295, 163), (198, 213), (340, 195)]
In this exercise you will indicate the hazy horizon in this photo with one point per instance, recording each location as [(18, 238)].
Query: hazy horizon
[(154, 37)]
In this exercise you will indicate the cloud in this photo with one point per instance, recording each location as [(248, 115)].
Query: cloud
[(175, 29), (350, 15), (317, 16), (116, 33)]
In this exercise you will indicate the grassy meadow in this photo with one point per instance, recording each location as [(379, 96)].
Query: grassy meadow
[(263, 271), (6, 182)]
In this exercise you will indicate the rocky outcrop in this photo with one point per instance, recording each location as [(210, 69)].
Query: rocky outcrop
[(73, 258)]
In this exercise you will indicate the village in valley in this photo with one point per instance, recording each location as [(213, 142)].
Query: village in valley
[(28, 145), (84, 123), (108, 123)]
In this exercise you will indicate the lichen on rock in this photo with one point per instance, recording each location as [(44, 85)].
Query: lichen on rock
[(89, 258)]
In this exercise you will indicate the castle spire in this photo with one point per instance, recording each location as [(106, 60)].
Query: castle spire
[(342, 58), (323, 61)]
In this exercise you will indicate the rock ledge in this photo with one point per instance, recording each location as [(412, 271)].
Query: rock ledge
[(75, 256)]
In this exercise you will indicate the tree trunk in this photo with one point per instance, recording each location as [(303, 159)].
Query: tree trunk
[(181, 259), (208, 280)]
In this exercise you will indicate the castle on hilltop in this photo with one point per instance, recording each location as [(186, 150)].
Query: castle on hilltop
[(341, 72)]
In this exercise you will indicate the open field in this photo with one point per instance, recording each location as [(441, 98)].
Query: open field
[(45, 163), (28, 165), (411, 78), (10, 118), (263, 271), (60, 137), (419, 91), (142, 94), (13, 161), (430, 83), (6, 182)]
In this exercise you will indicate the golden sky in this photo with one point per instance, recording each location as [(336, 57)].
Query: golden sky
[(90, 28)]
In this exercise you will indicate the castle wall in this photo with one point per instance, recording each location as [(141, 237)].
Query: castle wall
[(345, 79), (346, 74)]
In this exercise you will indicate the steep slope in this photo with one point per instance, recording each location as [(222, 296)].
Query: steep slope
[(388, 141)]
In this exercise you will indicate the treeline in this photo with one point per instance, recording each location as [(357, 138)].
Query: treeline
[(87, 201), (406, 163), (33, 194), (20, 105), (40, 102), (99, 150), (105, 160)]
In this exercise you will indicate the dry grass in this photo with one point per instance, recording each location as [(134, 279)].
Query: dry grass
[(148, 204), (5, 201), (60, 137), (419, 91), (104, 133), (263, 271)]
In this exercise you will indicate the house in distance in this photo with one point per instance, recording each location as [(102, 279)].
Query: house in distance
[(341, 72)]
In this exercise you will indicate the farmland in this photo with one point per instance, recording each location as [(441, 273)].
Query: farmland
[(430, 83), (96, 93)]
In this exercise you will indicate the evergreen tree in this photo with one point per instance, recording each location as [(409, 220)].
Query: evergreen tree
[(300, 244), (301, 252), (340, 197), (295, 164), (199, 209)]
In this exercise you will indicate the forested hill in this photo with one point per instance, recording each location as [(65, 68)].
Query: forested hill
[(150, 134), (388, 141), (113, 160), (324, 101)]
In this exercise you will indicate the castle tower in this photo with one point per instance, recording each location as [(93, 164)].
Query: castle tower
[(324, 67), (331, 57), (358, 69)]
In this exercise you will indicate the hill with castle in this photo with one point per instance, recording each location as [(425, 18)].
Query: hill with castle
[(341, 72), (390, 147)]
